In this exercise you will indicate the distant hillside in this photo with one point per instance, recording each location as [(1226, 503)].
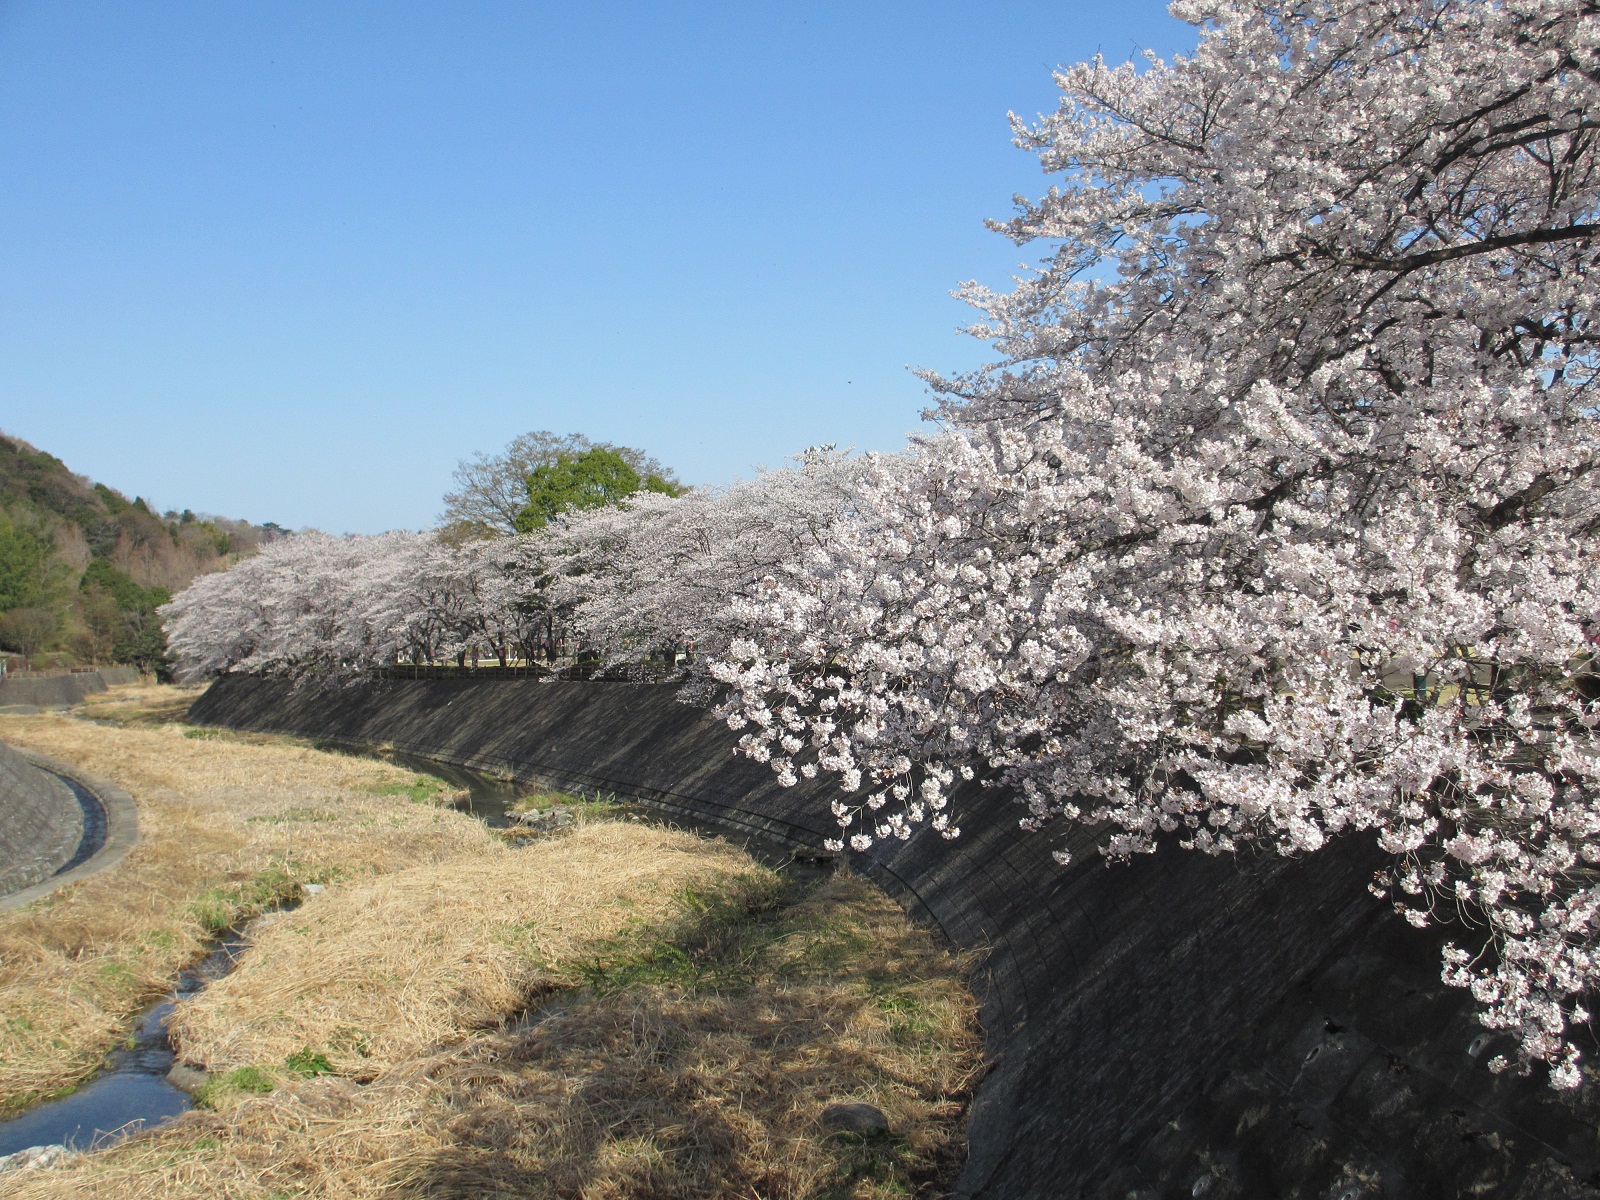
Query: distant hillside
[(82, 567)]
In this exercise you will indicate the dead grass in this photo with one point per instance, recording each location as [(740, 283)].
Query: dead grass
[(617, 1011), (227, 827), (700, 1073), (371, 975), (147, 703)]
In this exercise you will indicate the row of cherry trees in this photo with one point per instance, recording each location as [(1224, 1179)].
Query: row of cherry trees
[(1298, 410), (622, 582)]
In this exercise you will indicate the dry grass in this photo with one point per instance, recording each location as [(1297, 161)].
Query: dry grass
[(371, 975), (619, 1011), (227, 826), (696, 1064), (147, 703)]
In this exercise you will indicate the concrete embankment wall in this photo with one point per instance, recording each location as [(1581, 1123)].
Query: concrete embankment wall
[(41, 823), (60, 691), (1178, 1026)]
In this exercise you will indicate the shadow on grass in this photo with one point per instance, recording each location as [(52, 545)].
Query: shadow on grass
[(697, 1061)]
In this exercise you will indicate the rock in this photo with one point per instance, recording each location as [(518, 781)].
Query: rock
[(547, 820), (34, 1158), (851, 1116), (186, 1078), (312, 889)]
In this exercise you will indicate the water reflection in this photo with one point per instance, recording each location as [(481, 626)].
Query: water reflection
[(489, 799), (132, 1091)]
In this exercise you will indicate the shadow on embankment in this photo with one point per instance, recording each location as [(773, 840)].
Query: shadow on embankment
[(1179, 1026)]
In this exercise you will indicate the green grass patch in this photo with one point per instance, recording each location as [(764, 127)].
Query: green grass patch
[(219, 909), (908, 1023), (308, 1063), (420, 789), (203, 734), (115, 972), (23, 1100), (826, 948), (879, 1166), (714, 945), (242, 1081)]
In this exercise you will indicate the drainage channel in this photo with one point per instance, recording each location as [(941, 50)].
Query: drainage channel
[(132, 1091), (94, 824), (488, 798)]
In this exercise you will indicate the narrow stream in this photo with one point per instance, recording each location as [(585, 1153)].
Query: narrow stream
[(132, 1091), (489, 799)]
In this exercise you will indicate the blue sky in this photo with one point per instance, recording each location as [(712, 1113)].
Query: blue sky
[(292, 261)]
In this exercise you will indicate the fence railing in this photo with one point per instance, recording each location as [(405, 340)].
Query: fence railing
[(593, 672), (486, 671)]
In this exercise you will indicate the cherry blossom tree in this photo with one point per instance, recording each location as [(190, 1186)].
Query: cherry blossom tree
[(1273, 521), (661, 571), (1276, 517), (327, 607)]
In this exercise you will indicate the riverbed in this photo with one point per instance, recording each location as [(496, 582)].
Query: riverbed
[(131, 1092)]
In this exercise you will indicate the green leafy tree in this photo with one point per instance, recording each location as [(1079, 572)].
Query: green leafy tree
[(597, 477), (491, 490), (101, 618), (119, 611), (28, 630), (24, 566)]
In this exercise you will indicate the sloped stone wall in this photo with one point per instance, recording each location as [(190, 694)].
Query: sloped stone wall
[(61, 691), (41, 823), (1180, 1026)]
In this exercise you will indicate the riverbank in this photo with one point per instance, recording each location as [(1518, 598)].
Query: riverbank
[(617, 1009), (229, 827)]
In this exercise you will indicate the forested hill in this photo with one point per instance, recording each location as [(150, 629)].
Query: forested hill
[(82, 567)]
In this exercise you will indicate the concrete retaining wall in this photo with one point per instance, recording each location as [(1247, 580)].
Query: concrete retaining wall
[(41, 823), (1181, 1026), (61, 691)]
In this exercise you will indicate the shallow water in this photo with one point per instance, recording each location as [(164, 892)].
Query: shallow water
[(489, 799), (94, 824), (132, 1091)]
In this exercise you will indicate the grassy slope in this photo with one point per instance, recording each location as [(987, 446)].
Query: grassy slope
[(226, 828), (619, 1011)]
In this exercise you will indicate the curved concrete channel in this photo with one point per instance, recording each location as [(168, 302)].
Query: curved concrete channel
[(43, 799)]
